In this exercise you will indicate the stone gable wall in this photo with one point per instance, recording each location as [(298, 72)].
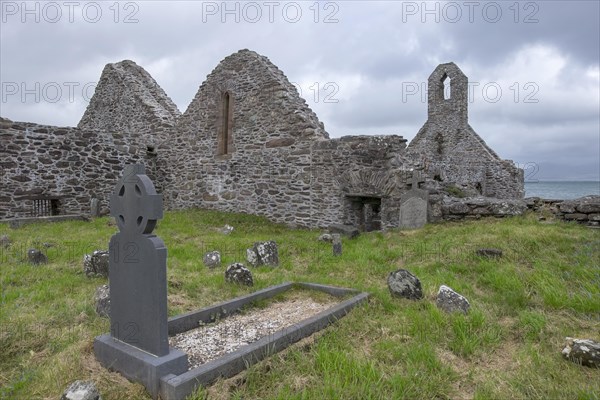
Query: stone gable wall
[(128, 100)]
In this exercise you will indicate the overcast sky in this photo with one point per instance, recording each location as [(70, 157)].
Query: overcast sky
[(362, 66)]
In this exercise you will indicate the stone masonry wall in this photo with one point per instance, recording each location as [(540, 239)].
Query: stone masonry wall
[(128, 100), (450, 150), (267, 167), (73, 164)]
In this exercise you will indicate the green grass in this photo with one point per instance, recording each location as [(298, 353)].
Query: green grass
[(545, 287)]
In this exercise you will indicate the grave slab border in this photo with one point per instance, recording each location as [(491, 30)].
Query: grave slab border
[(177, 387)]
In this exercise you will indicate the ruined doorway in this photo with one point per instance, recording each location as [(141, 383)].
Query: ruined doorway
[(364, 212)]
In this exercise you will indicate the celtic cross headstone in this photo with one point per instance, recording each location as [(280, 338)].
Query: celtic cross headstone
[(138, 265), (138, 343)]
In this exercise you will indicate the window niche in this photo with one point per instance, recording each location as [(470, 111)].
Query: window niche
[(446, 87), (225, 125)]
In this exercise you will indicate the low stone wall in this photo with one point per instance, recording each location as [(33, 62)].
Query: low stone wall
[(584, 210), (445, 208), (65, 166)]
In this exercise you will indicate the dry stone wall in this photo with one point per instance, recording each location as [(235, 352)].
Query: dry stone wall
[(67, 164)]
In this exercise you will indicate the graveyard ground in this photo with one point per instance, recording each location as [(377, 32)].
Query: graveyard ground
[(545, 287)]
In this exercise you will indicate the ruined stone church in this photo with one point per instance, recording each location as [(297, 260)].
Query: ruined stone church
[(249, 143)]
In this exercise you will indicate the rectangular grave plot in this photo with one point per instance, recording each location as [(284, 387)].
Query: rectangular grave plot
[(175, 387)]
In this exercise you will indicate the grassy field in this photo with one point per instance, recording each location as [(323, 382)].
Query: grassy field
[(545, 287)]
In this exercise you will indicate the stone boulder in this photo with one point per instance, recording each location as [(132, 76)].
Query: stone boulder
[(450, 301), (582, 351), (263, 253), (102, 301), (4, 241), (36, 257), (96, 264), (347, 230), (489, 253), (403, 284), (237, 273), (81, 390), (212, 259), (226, 230)]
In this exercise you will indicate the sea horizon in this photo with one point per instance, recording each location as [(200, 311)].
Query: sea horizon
[(561, 189)]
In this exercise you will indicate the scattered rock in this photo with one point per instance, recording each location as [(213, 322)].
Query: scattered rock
[(450, 301), (48, 245), (325, 237), (237, 273), (337, 244), (252, 257), (263, 253), (582, 351), (405, 285), (347, 230), (4, 241), (489, 253), (212, 259), (96, 264), (102, 301), (226, 230), (36, 257), (81, 390)]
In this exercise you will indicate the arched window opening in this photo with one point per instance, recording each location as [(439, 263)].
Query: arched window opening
[(446, 87)]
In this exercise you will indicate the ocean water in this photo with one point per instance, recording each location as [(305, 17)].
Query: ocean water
[(561, 190)]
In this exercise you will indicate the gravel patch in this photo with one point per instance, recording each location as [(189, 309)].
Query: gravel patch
[(211, 341)]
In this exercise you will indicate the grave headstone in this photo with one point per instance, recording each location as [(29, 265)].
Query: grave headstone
[(212, 259), (337, 244), (237, 273), (138, 345), (94, 207), (36, 257), (413, 205)]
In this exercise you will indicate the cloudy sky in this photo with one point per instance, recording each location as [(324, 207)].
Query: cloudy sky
[(362, 66)]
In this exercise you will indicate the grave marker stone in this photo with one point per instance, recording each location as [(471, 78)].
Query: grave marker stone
[(138, 345), (413, 204)]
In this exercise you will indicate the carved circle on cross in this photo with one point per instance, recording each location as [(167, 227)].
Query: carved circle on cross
[(135, 204)]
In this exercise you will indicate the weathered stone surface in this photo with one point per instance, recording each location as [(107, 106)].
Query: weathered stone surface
[(337, 244), (404, 284), (237, 273), (347, 230), (96, 264), (576, 217), (81, 390), (212, 259), (489, 253), (325, 237), (94, 207), (252, 257), (582, 351), (36, 257), (450, 301), (102, 301), (4, 241), (226, 229), (455, 208), (263, 253)]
